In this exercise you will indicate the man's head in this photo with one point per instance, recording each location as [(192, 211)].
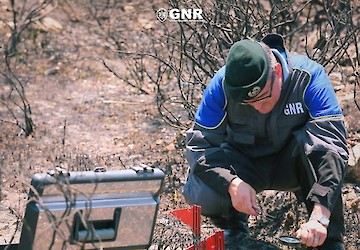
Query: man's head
[(247, 67)]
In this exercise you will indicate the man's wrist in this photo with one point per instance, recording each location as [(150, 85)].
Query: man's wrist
[(320, 210), (323, 220), (320, 214), (233, 185)]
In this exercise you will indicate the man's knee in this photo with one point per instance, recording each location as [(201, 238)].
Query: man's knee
[(212, 203)]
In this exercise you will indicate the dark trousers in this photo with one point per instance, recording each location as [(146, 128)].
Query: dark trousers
[(285, 171)]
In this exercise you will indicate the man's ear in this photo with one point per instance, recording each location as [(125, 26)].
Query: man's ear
[(278, 68)]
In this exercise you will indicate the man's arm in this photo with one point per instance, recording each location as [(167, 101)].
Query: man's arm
[(324, 139), (324, 144), (203, 141)]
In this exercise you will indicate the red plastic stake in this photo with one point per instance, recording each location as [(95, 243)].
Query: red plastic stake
[(192, 217), (213, 242)]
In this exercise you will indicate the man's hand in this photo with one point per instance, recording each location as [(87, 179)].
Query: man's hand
[(313, 233), (243, 197)]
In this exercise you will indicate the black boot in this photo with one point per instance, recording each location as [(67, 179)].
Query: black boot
[(234, 224)]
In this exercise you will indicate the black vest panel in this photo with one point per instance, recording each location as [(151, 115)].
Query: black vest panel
[(257, 134)]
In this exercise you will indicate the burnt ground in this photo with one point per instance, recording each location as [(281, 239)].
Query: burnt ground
[(85, 117)]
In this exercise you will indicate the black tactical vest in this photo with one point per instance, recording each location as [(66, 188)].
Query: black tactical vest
[(256, 134)]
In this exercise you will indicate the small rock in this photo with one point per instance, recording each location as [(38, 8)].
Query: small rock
[(49, 24), (52, 71), (354, 155)]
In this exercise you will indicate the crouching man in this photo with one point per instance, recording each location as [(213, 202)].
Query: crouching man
[(269, 120)]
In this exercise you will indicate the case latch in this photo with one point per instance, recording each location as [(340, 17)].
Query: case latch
[(58, 172), (142, 168)]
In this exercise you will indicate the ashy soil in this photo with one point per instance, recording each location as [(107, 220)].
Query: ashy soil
[(86, 117)]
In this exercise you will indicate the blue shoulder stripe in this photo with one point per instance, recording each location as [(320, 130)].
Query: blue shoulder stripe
[(319, 95), (211, 112)]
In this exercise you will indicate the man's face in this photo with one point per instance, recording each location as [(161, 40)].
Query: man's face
[(265, 101)]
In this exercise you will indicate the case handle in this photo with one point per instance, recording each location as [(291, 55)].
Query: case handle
[(96, 230)]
